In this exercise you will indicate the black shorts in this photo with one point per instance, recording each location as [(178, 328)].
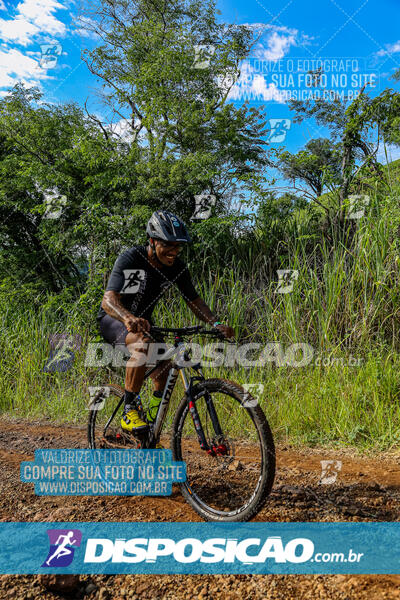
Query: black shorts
[(112, 330), (115, 332)]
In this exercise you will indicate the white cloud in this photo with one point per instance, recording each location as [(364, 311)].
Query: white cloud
[(18, 31), (32, 22), (16, 66), (40, 12), (275, 40), (274, 45), (32, 17), (390, 49), (2, 5), (268, 27), (277, 46), (123, 129)]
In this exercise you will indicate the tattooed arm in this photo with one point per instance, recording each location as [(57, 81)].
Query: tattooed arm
[(111, 303)]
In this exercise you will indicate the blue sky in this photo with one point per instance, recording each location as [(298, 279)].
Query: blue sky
[(362, 36)]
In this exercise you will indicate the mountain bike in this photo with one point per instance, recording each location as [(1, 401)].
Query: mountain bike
[(219, 430)]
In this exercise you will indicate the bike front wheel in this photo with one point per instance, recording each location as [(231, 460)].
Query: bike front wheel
[(232, 482)]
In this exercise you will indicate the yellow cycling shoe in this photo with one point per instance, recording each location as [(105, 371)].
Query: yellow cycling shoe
[(132, 422)]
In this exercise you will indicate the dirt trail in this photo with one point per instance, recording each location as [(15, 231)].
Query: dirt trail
[(366, 489)]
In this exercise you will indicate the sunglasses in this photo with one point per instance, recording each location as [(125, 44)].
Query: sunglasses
[(170, 246)]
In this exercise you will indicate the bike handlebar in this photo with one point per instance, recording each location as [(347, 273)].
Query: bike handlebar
[(184, 331)]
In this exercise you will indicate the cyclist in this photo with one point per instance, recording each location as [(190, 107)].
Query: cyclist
[(139, 278)]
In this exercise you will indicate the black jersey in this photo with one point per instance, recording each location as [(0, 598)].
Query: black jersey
[(141, 285)]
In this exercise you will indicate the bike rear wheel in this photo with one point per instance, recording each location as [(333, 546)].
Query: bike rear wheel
[(234, 483)]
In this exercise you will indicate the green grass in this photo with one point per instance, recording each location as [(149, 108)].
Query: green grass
[(344, 304)]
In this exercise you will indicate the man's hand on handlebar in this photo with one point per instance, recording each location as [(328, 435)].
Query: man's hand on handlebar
[(136, 324)]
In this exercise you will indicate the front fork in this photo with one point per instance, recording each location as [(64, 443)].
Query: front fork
[(213, 450)]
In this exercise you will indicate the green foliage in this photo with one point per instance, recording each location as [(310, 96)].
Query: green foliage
[(318, 166), (357, 128), (345, 304), (186, 140)]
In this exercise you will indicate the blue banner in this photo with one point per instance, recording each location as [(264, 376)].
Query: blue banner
[(119, 472), (209, 548)]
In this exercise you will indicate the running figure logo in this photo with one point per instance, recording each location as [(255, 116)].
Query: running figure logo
[(204, 204), (278, 129), (50, 54), (287, 277), (133, 279), (61, 553), (62, 352)]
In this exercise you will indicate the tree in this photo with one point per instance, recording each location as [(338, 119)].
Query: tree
[(318, 166), (358, 127), (48, 150), (187, 138)]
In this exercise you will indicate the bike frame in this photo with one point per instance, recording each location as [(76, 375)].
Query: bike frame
[(178, 366)]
